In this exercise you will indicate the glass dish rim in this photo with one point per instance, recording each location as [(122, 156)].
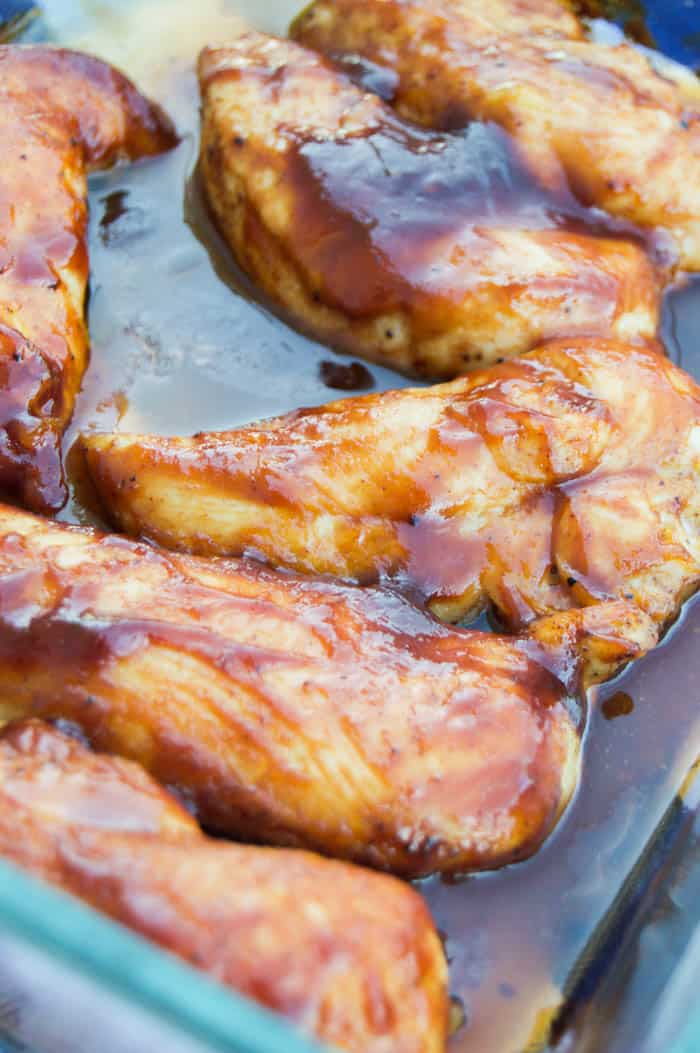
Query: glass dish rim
[(139, 972)]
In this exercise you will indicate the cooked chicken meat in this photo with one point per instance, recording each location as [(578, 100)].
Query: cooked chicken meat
[(558, 480), (303, 713), (350, 956), (549, 18), (61, 114), (619, 129), (429, 253)]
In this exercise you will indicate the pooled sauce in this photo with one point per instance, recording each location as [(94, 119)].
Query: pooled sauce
[(176, 348)]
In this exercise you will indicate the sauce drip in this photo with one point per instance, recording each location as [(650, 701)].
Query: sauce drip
[(354, 377)]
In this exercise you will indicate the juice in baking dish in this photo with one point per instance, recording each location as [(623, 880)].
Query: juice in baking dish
[(180, 345)]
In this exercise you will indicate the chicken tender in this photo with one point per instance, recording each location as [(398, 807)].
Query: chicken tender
[(564, 478), (61, 115), (304, 713), (303, 936), (553, 18), (428, 253), (620, 129)]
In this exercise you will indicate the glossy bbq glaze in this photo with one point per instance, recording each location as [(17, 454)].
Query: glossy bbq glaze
[(61, 114), (350, 956), (180, 353), (429, 253), (600, 120), (301, 712), (561, 478)]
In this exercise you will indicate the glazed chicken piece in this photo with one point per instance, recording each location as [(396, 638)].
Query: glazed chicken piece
[(618, 128), (425, 252), (564, 478), (549, 18), (303, 713), (349, 956), (61, 115)]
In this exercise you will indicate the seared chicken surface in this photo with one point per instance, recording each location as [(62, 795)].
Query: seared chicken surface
[(426, 252), (61, 114), (350, 956), (600, 119), (558, 480), (552, 18), (303, 713)]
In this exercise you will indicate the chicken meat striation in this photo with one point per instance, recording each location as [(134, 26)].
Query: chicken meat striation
[(349, 956), (553, 481), (621, 128), (429, 253), (61, 114), (302, 713)]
